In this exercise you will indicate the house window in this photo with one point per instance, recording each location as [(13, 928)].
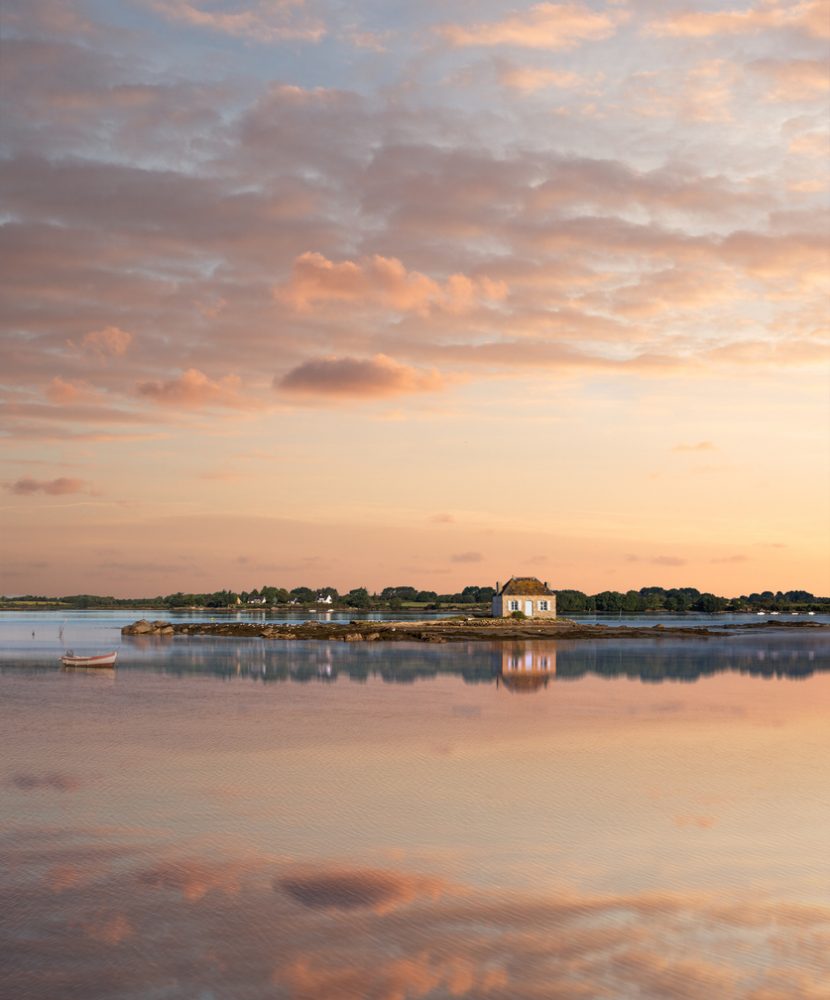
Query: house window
[(513, 605), (544, 605)]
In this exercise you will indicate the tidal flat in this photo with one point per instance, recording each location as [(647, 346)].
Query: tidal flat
[(238, 818)]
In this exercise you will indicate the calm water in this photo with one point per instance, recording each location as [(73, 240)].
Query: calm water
[(224, 820)]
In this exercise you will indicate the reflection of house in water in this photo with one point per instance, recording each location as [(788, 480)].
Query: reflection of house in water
[(526, 668)]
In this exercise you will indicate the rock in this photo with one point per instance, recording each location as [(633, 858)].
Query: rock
[(142, 627), (353, 637)]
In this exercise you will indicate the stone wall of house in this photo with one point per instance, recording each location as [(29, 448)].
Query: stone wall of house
[(503, 606)]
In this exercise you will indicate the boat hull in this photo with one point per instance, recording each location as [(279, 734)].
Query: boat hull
[(104, 660)]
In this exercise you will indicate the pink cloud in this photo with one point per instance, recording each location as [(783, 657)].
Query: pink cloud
[(379, 376), (543, 26), (110, 341), (380, 281), (52, 487), (466, 557), (194, 390), (357, 888), (53, 781)]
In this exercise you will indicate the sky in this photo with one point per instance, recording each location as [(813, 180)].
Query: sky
[(304, 292)]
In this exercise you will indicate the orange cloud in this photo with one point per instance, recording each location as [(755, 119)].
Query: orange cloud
[(194, 390), (359, 377), (814, 143), (703, 93), (442, 519), (63, 392), (812, 17), (262, 21), (529, 79), (52, 487), (795, 79), (380, 281), (699, 446), (109, 930), (544, 26)]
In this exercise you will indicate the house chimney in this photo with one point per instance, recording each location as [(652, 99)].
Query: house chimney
[(498, 586)]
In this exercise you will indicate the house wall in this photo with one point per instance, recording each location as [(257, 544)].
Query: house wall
[(502, 609), (521, 659)]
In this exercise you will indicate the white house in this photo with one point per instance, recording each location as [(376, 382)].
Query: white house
[(526, 594)]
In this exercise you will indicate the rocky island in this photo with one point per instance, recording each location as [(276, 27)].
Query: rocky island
[(445, 630)]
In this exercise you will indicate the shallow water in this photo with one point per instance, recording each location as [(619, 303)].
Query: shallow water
[(245, 819)]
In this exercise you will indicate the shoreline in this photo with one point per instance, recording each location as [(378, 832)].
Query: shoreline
[(447, 630)]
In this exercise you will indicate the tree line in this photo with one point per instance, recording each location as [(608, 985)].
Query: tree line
[(679, 600)]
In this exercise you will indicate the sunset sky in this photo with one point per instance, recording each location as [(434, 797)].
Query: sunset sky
[(304, 292)]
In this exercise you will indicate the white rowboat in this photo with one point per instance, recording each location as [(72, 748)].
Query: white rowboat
[(103, 660)]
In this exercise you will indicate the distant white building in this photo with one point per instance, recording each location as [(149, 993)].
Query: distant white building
[(320, 599), (526, 594)]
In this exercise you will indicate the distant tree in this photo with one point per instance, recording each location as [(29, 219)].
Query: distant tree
[(632, 601), (220, 599), (709, 603), (799, 596), (305, 595), (678, 601), (653, 598), (404, 593), (358, 598), (609, 601), (573, 602), (426, 596), (329, 592)]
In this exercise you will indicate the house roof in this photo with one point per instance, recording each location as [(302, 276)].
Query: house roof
[(524, 682), (525, 585)]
